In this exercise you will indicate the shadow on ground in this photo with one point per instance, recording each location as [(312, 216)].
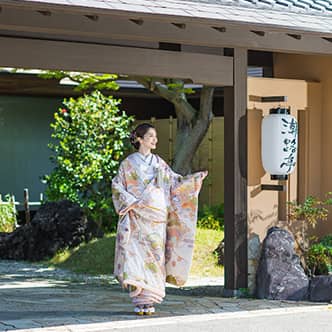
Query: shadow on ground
[(29, 301)]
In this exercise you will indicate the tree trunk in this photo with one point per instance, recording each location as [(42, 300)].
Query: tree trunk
[(192, 124), (190, 133), (188, 140)]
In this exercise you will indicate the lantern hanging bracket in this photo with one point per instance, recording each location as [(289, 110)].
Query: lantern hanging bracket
[(268, 99), (273, 187)]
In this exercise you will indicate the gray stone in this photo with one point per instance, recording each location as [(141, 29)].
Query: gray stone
[(254, 247), (220, 252), (252, 268), (280, 275), (320, 289)]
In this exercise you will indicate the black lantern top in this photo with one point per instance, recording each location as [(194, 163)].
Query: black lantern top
[(280, 110)]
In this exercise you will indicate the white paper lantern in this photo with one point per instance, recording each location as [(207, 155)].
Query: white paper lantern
[(279, 143)]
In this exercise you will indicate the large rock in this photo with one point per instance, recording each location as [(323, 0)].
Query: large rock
[(280, 275), (254, 250), (320, 289), (220, 252), (55, 226)]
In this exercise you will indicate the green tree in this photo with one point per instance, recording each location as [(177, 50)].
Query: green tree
[(89, 141), (192, 123)]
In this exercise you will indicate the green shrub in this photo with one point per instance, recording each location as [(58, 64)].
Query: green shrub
[(89, 141), (211, 217), (327, 241), (312, 211), (7, 215), (319, 259)]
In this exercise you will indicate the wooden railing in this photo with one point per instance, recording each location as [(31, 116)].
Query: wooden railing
[(26, 204)]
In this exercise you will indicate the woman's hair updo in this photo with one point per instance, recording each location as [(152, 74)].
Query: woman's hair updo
[(139, 131)]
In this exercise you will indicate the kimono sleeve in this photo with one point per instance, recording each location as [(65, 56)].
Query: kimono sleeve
[(123, 201), (181, 226)]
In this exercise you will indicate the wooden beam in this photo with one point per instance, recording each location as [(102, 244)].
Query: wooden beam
[(235, 201), (68, 25), (205, 69)]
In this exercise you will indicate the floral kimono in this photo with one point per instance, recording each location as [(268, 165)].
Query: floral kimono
[(156, 228)]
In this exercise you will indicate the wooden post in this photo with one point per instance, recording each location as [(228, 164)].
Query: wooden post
[(26, 206), (235, 112)]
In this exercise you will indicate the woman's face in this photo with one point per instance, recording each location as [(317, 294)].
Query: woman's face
[(150, 140)]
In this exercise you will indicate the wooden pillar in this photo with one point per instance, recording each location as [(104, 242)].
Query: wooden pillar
[(235, 113)]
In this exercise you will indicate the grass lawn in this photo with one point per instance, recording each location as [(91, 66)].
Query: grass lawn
[(204, 261), (97, 256)]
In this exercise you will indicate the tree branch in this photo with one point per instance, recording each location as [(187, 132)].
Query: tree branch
[(206, 104), (178, 99), (155, 87)]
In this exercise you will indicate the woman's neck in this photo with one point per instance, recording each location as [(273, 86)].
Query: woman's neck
[(144, 151)]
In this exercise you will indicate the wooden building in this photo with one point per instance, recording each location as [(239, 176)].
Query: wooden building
[(206, 42)]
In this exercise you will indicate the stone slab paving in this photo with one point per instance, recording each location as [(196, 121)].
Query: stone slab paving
[(32, 297)]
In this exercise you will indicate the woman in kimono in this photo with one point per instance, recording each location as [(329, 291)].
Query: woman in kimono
[(157, 220)]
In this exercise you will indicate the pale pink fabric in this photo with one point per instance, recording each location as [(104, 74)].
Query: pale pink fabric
[(156, 229), (146, 297)]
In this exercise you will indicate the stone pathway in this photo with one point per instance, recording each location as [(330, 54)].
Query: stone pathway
[(33, 297), (35, 270)]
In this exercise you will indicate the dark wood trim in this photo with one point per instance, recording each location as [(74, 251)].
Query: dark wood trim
[(235, 112), (273, 187), (170, 47)]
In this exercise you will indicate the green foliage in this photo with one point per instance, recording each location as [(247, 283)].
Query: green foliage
[(7, 215), (319, 256), (308, 214), (327, 241), (319, 259), (89, 141), (244, 293), (211, 217), (177, 86), (312, 210), (84, 81)]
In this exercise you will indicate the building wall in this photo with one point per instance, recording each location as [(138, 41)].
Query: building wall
[(317, 179), (269, 208), (24, 135)]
